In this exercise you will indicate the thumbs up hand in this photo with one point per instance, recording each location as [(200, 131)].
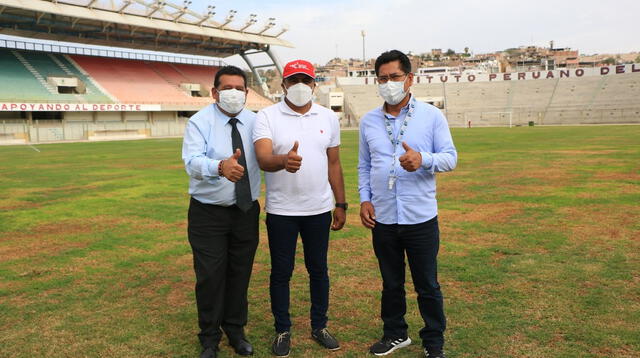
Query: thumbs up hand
[(410, 160), (293, 160), (231, 169)]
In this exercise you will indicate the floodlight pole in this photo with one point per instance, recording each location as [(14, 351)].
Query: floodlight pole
[(363, 57)]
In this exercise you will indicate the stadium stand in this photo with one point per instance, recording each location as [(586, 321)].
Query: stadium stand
[(93, 93), (168, 87), (196, 74), (177, 78), (25, 85), (585, 100), (203, 76), (131, 81), (54, 65), (107, 80), (78, 73)]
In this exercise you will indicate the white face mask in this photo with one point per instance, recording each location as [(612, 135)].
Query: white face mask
[(232, 100), (299, 94), (392, 92)]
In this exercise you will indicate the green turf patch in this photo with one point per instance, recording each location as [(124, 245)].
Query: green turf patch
[(539, 256)]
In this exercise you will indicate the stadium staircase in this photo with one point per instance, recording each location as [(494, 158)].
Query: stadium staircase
[(89, 79), (34, 72), (24, 85), (175, 78), (28, 72)]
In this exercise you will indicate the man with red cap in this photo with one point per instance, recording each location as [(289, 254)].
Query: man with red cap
[(297, 145)]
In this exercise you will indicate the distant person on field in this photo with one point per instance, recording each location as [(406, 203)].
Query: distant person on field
[(298, 145), (223, 213), (403, 143)]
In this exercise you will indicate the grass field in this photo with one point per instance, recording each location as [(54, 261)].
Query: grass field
[(540, 252)]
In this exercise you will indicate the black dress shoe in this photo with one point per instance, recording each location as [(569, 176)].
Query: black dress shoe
[(241, 346), (438, 353), (209, 353)]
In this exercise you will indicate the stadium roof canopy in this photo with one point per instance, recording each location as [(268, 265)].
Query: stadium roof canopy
[(154, 25)]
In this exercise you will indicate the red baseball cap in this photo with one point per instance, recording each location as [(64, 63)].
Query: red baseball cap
[(299, 66)]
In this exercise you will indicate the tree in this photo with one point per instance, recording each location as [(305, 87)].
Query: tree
[(609, 61), (450, 52), (466, 50), (637, 60)]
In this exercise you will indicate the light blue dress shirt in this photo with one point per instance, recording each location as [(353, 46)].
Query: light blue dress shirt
[(207, 141), (412, 199)]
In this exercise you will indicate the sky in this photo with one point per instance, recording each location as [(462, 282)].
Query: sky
[(322, 30)]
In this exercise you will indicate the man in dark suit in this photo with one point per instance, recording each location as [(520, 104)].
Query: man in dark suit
[(223, 213)]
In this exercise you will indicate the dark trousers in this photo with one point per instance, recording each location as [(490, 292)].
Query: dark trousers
[(420, 242), (224, 242), (283, 236)]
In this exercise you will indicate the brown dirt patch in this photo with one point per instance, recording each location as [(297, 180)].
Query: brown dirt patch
[(621, 352), (600, 225), (517, 344), (488, 213), (69, 189), (585, 152), (458, 291), (617, 176), (549, 174), (178, 294), (456, 190), (17, 205), (47, 239), (11, 202), (354, 286), (51, 238), (466, 242), (136, 166), (37, 247)]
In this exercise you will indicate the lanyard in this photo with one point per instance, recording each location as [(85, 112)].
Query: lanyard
[(398, 139)]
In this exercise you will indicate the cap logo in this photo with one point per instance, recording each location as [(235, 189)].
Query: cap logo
[(299, 65)]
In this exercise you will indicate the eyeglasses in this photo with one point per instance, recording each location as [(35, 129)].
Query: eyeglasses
[(299, 79), (394, 77)]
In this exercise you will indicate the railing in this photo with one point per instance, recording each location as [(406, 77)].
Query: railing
[(105, 52)]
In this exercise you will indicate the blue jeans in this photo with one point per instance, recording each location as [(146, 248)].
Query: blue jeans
[(283, 236), (420, 242)]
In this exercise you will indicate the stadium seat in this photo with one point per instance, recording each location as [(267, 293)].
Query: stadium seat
[(24, 85), (595, 99), (132, 81)]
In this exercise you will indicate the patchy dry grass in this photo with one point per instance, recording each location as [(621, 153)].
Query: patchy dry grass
[(540, 252)]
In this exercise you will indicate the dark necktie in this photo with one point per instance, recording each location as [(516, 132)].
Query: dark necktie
[(243, 188)]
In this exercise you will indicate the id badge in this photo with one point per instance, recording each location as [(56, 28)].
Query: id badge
[(392, 181)]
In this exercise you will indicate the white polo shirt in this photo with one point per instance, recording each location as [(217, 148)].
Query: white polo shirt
[(307, 191)]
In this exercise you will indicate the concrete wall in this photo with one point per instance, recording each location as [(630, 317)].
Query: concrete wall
[(79, 126)]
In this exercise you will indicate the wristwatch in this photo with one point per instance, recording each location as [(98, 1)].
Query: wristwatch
[(342, 205)]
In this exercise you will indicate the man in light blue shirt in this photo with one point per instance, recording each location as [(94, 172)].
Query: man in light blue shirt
[(402, 145), (224, 185)]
